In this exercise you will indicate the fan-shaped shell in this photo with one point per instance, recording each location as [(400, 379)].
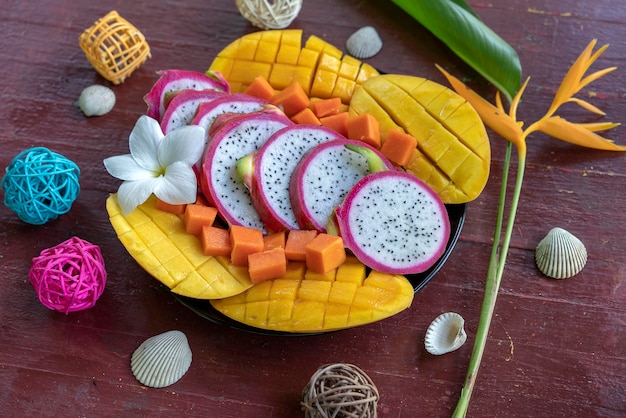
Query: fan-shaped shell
[(364, 43), (445, 334), (161, 360), (560, 254)]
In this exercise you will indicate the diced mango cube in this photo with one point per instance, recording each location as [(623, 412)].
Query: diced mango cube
[(316, 290)]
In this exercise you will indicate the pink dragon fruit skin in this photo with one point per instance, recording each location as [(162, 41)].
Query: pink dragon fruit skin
[(176, 80), (238, 135), (183, 106), (392, 222), (234, 103), (324, 176), (272, 168)]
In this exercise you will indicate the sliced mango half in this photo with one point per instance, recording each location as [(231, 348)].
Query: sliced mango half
[(303, 302), (320, 68), (158, 242), (453, 153)]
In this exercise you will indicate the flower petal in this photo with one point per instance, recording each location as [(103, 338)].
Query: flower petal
[(599, 126), (573, 76), (178, 185), (144, 143), (184, 144), (124, 167), (133, 193), (587, 106), (576, 134)]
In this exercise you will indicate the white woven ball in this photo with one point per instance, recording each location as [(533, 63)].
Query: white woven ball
[(269, 14)]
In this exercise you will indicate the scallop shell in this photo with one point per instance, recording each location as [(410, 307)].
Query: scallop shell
[(161, 360), (96, 100), (560, 254), (364, 43), (445, 334)]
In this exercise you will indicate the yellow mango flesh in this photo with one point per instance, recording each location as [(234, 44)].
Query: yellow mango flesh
[(278, 55), (453, 154), (158, 242), (317, 303)]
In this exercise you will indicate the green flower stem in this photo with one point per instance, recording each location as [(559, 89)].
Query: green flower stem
[(494, 277)]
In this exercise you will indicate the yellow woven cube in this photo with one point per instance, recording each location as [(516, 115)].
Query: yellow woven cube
[(114, 47)]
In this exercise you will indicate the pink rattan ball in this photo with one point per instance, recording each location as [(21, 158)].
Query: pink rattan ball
[(70, 276)]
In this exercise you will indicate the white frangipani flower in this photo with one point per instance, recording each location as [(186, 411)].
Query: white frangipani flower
[(158, 164)]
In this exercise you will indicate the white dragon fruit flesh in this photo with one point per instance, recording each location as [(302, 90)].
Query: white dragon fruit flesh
[(326, 174), (392, 222), (183, 106), (236, 137), (267, 172), (176, 80), (236, 103)]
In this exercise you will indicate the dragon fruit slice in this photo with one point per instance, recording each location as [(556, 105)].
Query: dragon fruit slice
[(207, 112), (237, 137), (176, 80), (183, 106), (392, 222), (324, 176), (268, 171)]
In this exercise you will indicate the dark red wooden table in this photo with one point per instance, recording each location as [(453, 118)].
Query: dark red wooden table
[(556, 348)]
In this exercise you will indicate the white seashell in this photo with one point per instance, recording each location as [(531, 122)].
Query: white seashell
[(560, 254), (96, 100), (161, 360), (445, 334), (364, 43)]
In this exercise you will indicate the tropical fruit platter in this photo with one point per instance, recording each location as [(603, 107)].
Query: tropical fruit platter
[(323, 193)]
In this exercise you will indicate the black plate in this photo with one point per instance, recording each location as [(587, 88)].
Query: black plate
[(456, 214)]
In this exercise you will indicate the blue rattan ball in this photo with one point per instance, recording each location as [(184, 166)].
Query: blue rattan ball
[(39, 185)]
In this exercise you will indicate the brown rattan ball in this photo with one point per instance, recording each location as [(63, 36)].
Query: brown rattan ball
[(114, 47), (340, 390)]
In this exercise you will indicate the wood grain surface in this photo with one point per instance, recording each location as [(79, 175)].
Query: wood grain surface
[(556, 348)]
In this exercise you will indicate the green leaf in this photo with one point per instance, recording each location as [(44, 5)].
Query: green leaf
[(456, 25)]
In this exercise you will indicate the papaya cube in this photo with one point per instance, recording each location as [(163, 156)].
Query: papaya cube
[(168, 207), (266, 265), (306, 117), (297, 241), (337, 122), (365, 128), (274, 240), (197, 216), (244, 241), (292, 98), (215, 241), (398, 147), (325, 253)]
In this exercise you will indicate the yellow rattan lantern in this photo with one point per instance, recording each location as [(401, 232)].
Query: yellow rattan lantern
[(114, 47)]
